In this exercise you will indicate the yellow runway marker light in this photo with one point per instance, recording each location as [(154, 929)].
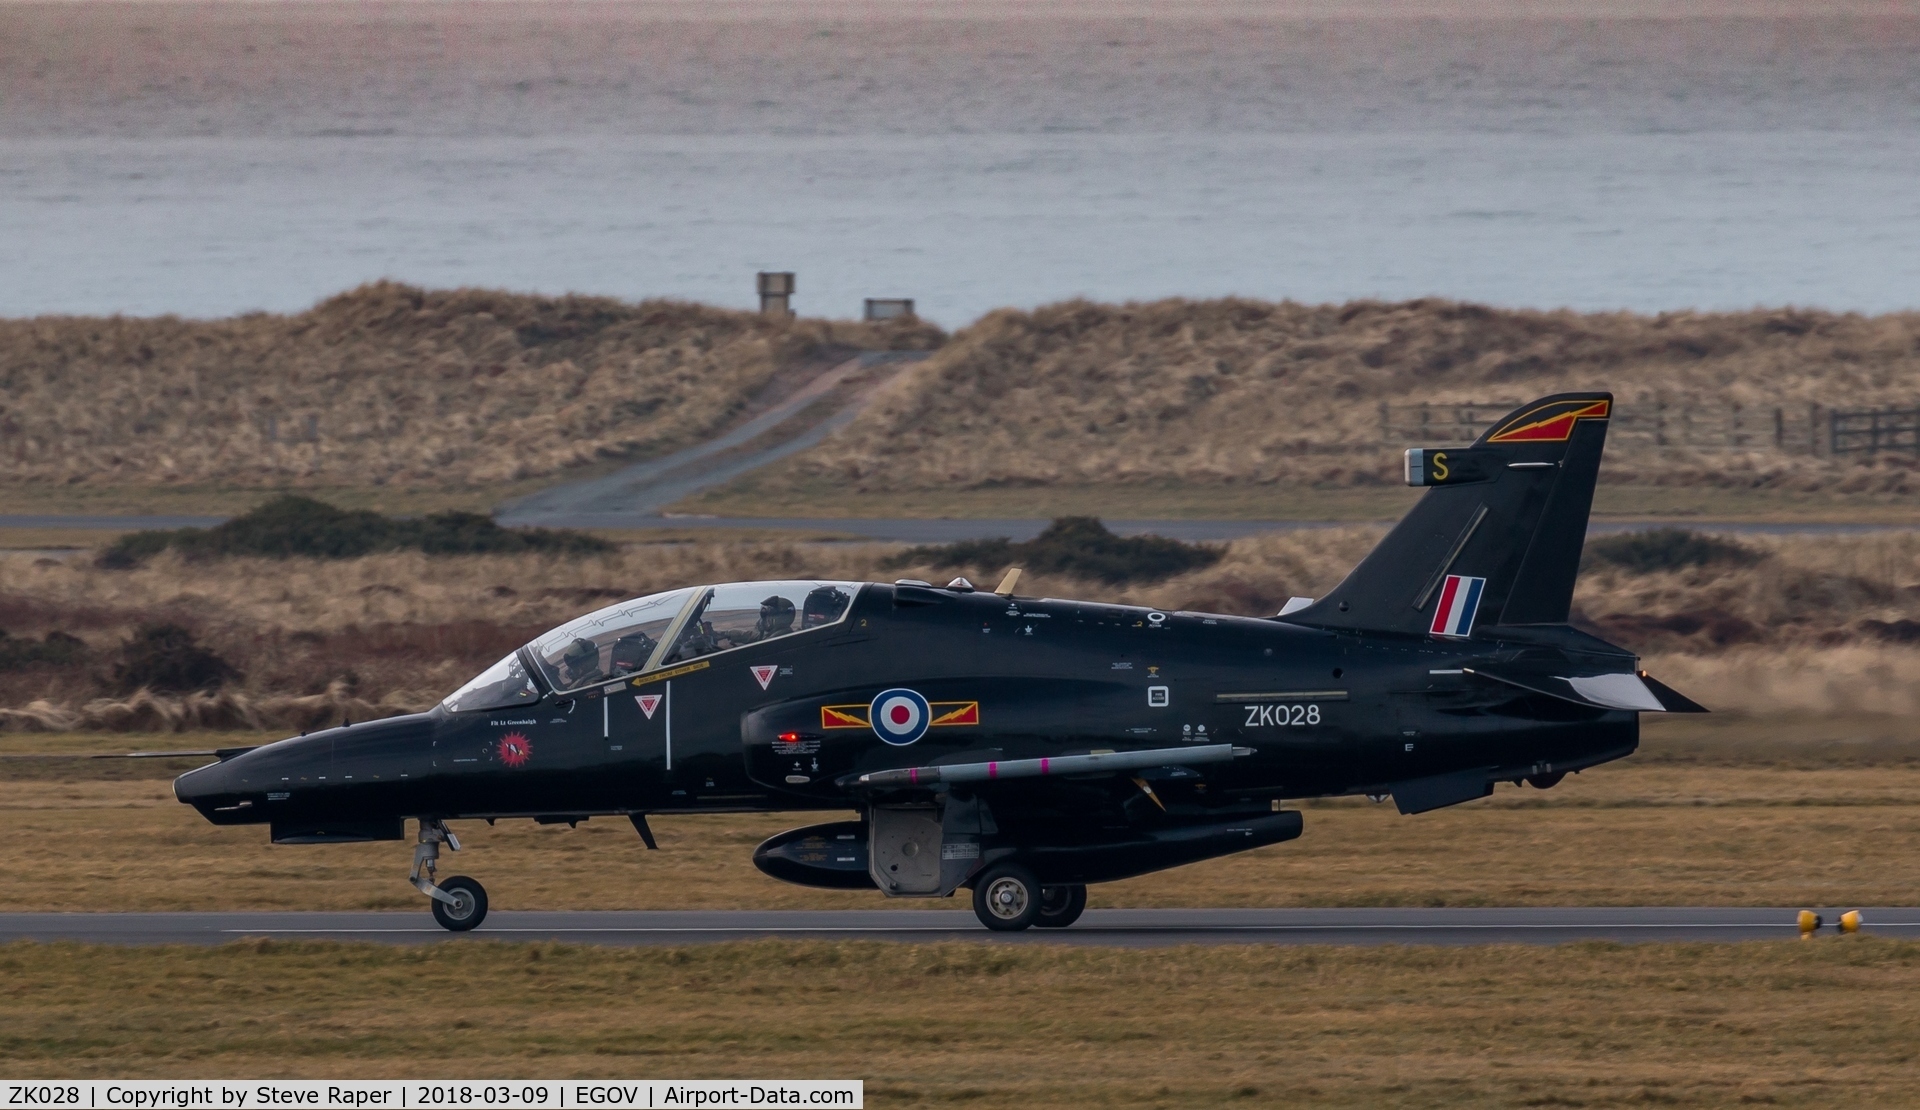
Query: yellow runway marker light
[(1850, 921), (1809, 922)]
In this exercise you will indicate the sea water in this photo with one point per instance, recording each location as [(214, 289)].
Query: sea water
[(213, 159)]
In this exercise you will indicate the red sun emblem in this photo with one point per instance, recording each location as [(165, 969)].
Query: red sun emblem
[(515, 749)]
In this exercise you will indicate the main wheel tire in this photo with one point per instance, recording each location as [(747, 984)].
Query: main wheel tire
[(1007, 898), (1061, 906), (469, 906)]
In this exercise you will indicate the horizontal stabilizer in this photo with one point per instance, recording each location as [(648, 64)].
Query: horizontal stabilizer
[(222, 754), (1613, 690)]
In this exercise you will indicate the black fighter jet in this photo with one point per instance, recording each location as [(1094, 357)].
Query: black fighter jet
[(1020, 747)]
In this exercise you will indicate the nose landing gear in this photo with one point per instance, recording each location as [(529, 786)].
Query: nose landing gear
[(460, 903)]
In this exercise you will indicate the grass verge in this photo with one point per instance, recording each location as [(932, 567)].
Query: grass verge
[(189, 499), (763, 495), (1696, 819), (751, 496), (1599, 1025)]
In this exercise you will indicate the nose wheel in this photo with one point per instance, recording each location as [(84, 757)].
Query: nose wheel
[(460, 903), (467, 908)]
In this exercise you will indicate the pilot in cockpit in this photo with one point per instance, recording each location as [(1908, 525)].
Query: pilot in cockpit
[(776, 619), (581, 664), (823, 605), (631, 652)]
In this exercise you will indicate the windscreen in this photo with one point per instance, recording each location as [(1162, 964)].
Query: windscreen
[(609, 643), (504, 684)]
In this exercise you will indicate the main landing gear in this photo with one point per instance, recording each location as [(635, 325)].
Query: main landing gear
[(1061, 906), (459, 903), (1008, 898)]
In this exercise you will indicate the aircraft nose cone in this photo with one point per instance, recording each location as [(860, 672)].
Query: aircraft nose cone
[(207, 786), (232, 790)]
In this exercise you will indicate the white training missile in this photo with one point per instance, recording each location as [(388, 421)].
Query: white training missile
[(1055, 765)]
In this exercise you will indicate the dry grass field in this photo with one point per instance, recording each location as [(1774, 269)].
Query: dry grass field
[(1210, 396), (1830, 1023), (409, 400), (387, 386), (781, 493), (1813, 811), (1800, 798), (1817, 624)]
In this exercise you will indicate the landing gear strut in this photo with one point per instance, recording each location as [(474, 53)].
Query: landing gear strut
[(459, 903)]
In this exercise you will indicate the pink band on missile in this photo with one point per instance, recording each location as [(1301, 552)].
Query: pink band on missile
[(1043, 765), (993, 770), (913, 774)]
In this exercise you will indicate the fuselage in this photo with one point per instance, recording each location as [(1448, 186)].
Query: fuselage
[(786, 724)]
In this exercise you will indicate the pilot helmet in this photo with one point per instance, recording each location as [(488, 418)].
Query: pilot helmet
[(776, 614), (824, 604), (581, 654), (630, 652)]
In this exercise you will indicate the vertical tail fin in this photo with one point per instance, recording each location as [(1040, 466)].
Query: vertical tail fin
[(1497, 538)]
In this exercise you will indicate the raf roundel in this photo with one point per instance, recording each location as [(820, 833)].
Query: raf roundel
[(899, 716)]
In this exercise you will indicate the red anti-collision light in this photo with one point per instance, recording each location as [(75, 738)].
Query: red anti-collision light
[(789, 737)]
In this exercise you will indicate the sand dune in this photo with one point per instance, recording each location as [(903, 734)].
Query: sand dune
[(1237, 391), (388, 384)]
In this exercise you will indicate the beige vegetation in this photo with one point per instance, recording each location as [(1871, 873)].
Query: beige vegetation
[(1821, 1024), (390, 385), (1709, 823), (430, 399), (1819, 624), (1212, 393)]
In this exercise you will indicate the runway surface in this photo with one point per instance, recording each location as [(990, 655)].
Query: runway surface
[(1124, 928)]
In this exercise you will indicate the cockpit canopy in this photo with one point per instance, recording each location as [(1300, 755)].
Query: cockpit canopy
[(656, 631)]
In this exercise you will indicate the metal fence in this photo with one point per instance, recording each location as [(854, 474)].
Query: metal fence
[(1871, 431)]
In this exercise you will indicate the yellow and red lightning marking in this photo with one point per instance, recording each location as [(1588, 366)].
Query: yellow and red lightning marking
[(955, 713), (944, 713), (843, 716), (1550, 423)]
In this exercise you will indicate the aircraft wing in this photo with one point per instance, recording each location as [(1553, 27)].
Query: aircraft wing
[(1634, 690), (1090, 763)]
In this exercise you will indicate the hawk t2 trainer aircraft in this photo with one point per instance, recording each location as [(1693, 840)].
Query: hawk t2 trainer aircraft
[(1020, 747)]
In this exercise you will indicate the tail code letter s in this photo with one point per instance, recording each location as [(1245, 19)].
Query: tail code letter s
[(1450, 466)]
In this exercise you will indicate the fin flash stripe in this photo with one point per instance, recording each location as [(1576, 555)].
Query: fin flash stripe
[(1550, 423)]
